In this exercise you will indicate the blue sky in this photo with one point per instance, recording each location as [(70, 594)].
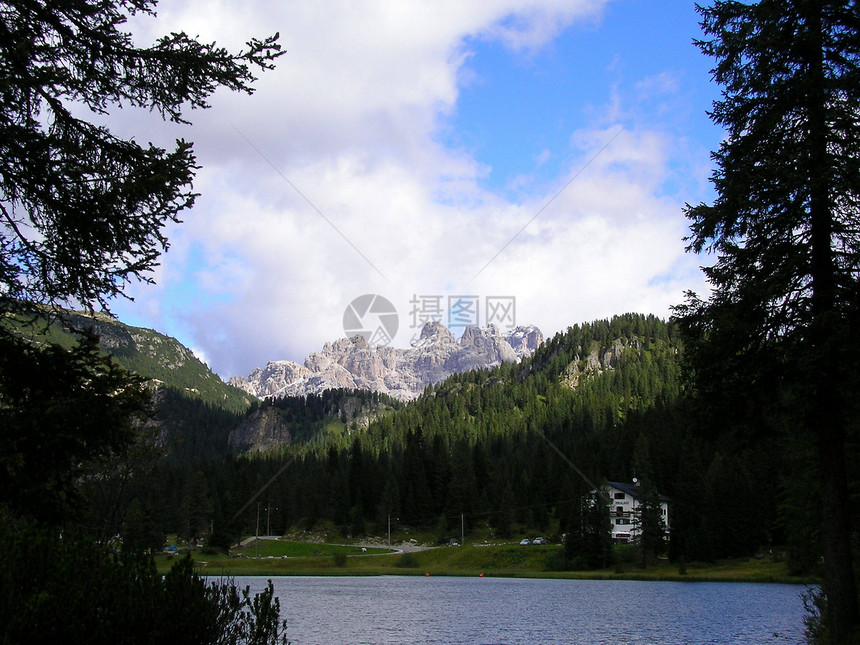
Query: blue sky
[(514, 114), (399, 146)]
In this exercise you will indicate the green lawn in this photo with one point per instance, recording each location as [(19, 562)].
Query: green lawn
[(283, 557), (281, 548)]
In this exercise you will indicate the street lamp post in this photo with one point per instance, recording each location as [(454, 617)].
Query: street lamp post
[(389, 528), (257, 534)]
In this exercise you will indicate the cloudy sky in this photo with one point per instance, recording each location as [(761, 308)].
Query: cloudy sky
[(536, 152)]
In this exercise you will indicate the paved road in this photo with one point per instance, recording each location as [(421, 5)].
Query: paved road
[(251, 539), (404, 547)]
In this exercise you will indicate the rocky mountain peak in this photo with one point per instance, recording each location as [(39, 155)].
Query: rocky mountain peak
[(436, 332), (525, 340), (351, 363)]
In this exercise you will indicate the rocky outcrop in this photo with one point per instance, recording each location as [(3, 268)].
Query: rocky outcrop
[(261, 430), (525, 340), (270, 425), (400, 373), (480, 348), (598, 360), (273, 379)]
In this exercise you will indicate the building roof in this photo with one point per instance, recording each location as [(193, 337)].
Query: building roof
[(633, 490)]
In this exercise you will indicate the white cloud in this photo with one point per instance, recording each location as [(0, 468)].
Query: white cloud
[(349, 118), (662, 83)]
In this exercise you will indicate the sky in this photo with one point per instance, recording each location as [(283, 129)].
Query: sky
[(522, 162)]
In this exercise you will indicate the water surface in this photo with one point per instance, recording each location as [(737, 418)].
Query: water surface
[(492, 611)]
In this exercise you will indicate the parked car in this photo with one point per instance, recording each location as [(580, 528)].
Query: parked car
[(525, 542), (540, 540)]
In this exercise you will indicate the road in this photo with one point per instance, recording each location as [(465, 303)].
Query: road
[(403, 547)]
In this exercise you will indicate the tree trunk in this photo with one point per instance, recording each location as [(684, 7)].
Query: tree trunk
[(825, 415)]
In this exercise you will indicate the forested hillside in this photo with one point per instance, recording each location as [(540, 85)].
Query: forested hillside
[(499, 449), (277, 422), (195, 409), (146, 352)]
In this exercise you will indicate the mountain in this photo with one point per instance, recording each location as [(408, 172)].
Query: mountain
[(145, 352), (501, 452), (403, 374), (499, 449), (278, 422)]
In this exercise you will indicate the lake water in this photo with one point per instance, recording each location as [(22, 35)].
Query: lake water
[(446, 611)]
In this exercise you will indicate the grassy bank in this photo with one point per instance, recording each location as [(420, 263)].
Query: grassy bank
[(507, 560)]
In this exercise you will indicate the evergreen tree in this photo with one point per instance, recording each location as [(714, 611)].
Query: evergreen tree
[(641, 461), (62, 413), (588, 540), (415, 496), (82, 211), (141, 532), (82, 214), (784, 226), (463, 484), (195, 511), (503, 517), (691, 539), (595, 539), (66, 589), (651, 525)]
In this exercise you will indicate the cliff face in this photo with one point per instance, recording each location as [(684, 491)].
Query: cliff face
[(400, 373), (261, 430), (283, 421), (597, 362)]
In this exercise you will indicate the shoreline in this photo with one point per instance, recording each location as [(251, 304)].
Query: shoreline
[(498, 561), (561, 575)]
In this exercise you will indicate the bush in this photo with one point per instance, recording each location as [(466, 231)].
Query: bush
[(339, 559), (407, 561), (815, 604), (66, 589)]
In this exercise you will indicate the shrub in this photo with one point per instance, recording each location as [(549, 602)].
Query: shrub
[(815, 604), (407, 561), (66, 589), (339, 559)]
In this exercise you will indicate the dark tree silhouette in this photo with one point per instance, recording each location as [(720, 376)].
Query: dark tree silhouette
[(785, 227), (82, 211)]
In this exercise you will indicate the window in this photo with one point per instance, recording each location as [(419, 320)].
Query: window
[(619, 510), (619, 495)]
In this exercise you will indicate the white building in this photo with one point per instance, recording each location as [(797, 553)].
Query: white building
[(623, 501)]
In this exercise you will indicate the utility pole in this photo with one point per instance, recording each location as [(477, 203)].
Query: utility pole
[(462, 530), (257, 534), (268, 525), (389, 528)]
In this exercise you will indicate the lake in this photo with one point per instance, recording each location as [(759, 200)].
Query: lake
[(448, 610)]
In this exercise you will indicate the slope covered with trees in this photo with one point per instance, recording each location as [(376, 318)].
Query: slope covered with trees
[(772, 347), (83, 213), (146, 352), (511, 449)]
